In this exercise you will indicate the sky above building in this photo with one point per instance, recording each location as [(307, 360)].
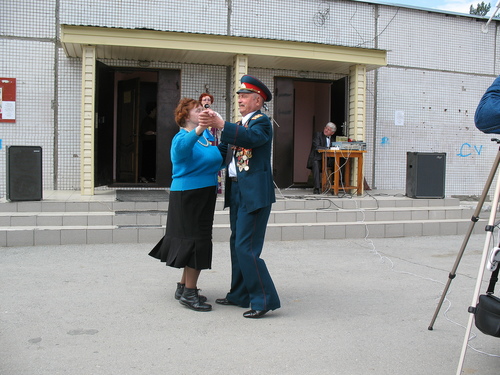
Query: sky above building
[(458, 6)]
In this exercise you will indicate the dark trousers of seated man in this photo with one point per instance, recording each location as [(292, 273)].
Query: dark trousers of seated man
[(317, 169)]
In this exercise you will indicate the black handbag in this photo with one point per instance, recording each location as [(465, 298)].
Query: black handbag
[(487, 310)]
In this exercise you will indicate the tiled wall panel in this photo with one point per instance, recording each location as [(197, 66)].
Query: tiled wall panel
[(69, 119), (32, 64), (438, 110), (426, 40), (345, 23), (208, 17), (22, 18)]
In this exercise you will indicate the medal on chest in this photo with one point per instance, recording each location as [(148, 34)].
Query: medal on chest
[(243, 155)]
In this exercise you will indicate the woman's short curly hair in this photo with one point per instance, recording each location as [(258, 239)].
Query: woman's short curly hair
[(206, 94), (182, 110)]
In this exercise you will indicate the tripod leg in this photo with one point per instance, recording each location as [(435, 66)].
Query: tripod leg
[(479, 280), (474, 219)]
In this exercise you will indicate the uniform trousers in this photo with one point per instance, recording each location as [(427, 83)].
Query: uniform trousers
[(251, 283)]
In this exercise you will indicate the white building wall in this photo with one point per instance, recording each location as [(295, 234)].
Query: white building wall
[(344, 23), (438, 68), (69, 120), (439, 65), (206, 17), (27, 50), (34, 126)]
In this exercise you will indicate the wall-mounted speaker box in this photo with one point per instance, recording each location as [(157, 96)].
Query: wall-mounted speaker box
[(24, 173), (425, 174)]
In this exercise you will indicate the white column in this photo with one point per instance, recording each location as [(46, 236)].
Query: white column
[(357, 109), (357, 102), (87, 121), (240, 68)]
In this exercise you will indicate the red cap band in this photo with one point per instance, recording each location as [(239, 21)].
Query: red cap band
[(254, 88)]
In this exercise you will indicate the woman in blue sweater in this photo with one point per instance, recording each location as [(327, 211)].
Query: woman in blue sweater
[(188, 239)]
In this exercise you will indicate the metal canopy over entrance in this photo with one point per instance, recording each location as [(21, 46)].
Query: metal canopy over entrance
[(150, 45)]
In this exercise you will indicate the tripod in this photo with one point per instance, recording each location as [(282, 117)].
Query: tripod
[(474, 219), (489, 232)]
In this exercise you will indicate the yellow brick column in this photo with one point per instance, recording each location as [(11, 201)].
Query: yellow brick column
[(240, 68), (87, 121), (357, 108)]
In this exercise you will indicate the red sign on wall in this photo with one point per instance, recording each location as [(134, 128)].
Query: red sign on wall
[(7, 100)]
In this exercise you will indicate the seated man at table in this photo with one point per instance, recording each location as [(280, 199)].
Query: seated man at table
[(321, 141)]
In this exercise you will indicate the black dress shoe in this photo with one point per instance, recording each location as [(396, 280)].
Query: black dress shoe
[(254, 314), (315, 191), (224, 301)]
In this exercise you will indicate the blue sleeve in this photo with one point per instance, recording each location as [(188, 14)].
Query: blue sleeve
[(183, 143), (487, 117)]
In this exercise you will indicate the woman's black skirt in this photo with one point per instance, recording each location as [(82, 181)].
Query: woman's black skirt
[(188, 238)]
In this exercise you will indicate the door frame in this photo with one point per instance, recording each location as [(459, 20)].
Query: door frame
[(106, 156), (285, 114)]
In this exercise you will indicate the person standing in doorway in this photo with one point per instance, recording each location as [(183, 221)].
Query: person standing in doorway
[(249, 194), (187, 242)]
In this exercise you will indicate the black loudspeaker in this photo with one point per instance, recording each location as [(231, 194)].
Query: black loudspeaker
[(425, 174), (24, 173)]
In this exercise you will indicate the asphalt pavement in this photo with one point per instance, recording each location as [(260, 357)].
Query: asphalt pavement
[(348, 307)]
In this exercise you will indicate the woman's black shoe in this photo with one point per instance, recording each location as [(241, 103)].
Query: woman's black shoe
[(191, 299), (180, 289)]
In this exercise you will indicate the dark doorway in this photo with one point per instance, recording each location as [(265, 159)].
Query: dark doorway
[(135, 126), (104, 133), (301, 108), (127, 131), (339, 94)]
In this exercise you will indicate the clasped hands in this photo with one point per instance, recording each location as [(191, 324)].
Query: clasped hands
[(208, 118)]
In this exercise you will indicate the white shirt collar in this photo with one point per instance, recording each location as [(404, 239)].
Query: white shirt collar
[(245, 118)]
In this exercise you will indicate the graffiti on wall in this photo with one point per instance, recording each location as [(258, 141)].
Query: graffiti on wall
[(467, 150)]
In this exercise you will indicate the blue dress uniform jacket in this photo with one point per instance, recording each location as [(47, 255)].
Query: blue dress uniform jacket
[(250, 199), (256, 184)]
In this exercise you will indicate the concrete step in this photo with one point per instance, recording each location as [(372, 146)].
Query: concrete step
[(308, 203), (54, 235), (54, 223), (146, 217)]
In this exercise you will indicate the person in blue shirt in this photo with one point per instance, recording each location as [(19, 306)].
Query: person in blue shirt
[(187, 242), (487, 116)]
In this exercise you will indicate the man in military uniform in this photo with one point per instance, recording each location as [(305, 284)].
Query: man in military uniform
[(249, 194)]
